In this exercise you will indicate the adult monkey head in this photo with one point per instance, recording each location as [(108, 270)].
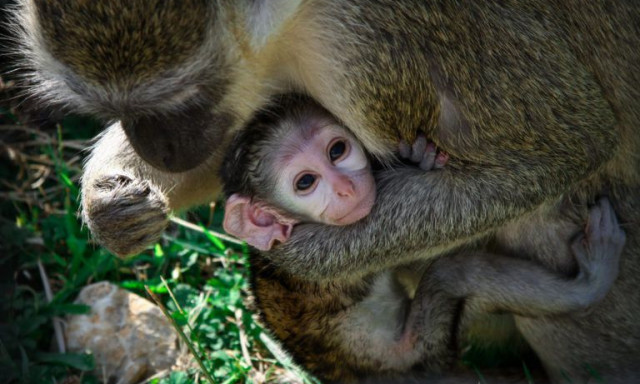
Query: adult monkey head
[(175, 73)]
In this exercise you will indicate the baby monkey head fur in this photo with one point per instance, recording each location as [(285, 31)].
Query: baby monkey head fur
[(294, 163), (250, 165)]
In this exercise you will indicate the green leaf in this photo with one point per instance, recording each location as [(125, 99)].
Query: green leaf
[(178, 377), (70, 309), (83, 362), (180, 318), (213, 239), (157, 250), (31, 325), (66, 180)]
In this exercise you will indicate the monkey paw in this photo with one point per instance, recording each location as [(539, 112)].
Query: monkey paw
[(423, 153), (598, 251), (124, 215)]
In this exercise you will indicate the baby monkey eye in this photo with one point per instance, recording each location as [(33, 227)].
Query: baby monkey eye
[(338, 149), (305, 182)]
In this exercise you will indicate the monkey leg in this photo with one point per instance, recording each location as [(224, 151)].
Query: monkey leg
[(501, 283), (429, 327)]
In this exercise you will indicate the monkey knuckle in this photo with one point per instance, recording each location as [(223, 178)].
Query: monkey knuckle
[(122, 191), (138, 192), (111, 182), (126, 206), (122, 179), (127, 239)]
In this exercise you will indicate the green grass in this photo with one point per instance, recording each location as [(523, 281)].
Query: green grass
[(200, 278)]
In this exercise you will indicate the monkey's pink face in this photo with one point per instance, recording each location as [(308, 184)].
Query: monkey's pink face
[(327, 178)]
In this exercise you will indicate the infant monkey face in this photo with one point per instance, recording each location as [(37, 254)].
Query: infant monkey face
[(327, 177)]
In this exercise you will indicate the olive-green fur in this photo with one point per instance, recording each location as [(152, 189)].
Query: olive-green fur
[(123, 43)]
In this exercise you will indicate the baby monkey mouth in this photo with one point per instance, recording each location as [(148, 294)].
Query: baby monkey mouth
[(360, 211)]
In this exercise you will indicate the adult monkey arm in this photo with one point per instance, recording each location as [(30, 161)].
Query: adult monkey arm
[(498, 88)]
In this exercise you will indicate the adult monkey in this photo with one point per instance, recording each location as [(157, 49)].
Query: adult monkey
[(532, 100)]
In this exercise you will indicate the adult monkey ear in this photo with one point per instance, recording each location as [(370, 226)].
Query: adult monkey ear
[(179, 141), (255, 223)]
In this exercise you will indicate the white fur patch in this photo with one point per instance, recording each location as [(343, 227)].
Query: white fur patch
[(266, 17)]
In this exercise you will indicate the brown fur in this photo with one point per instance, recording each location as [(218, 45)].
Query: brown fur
[(105, 51)]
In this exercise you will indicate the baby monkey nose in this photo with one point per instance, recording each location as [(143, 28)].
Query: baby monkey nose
[(343, 186)]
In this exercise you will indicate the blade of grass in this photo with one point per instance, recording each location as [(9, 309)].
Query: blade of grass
[(284, 359), (57, 327), (244, 341), (200, 229), (184, 338), (527, 373), (173, 297), (212, 238)]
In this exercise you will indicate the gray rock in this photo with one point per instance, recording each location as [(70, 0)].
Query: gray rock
[(129, 336)]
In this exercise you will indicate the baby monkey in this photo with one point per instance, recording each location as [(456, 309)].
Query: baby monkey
[(296, 163)]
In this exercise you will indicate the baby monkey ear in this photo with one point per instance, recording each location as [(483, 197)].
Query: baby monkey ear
[(254, 222)]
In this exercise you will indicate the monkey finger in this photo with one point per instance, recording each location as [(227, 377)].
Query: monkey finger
[(429, 158), (442, 159), (579, 247), (609, 221), (594, 222), (404, 149), (418, 149), (610, 226)]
